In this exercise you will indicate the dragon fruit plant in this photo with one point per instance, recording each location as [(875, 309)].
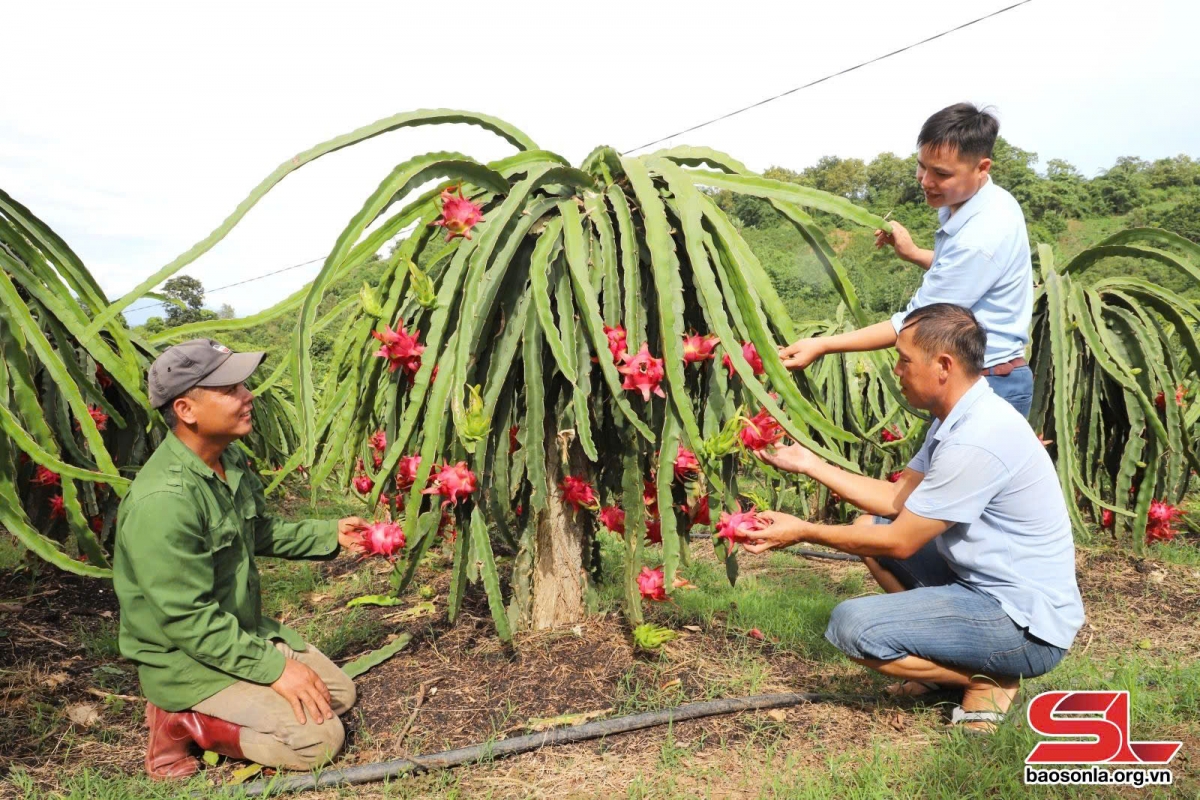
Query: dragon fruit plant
[(537, 321), (563, 334)]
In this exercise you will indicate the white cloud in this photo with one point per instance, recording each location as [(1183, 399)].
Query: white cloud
[(135, 129)]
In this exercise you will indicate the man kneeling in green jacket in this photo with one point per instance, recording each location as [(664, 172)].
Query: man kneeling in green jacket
[(216, 673)]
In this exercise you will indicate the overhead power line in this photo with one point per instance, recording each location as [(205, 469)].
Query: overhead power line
[(687, 130), (239, 283), (828, 77)]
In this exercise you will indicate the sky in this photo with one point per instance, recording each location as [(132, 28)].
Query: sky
[(134, 129)]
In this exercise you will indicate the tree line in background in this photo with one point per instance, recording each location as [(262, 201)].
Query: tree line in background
[(1061, 205)]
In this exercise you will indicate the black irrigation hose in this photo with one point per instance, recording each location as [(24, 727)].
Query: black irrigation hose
[(800, 551), (383, 770)]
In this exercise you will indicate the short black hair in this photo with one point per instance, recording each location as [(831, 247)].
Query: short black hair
[(947, 328), (972, 131), (168, 410)]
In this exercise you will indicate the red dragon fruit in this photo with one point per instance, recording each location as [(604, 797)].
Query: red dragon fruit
[(697, 348), (363, 484), (740, 526), (45, 477), (652, 585), (750, 353), (1107, 519), (761, 431), (654, 530), (890, 435), (406, 472), (378, 441), (577, 492), (459, 215), (617, 342), (383, 539), (697, 511), (613, 518), (643, 373), (453, 483), (687, 466), (401, 349), (57, 510)]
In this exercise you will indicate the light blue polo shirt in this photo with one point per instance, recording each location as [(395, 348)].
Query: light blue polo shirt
[(981, 262), (985, 470)]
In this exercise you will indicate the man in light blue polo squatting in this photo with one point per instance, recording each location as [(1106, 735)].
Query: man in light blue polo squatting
[(980, 259), (972, 544)]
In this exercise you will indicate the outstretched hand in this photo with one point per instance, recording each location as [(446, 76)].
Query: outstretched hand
[(783, 530), (899, 239), (801, 353), (795, 458), (350, 532)]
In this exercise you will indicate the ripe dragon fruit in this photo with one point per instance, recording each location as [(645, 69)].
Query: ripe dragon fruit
[(617, 343), (45, 477), (650, 496), (895, 476), (578, 493), (890, 435), (761, 431), (652, 585), (643, 373), (363, 484), (613, 518), (406, 472), (57, 510), (383, 539), (654, 530), (740, 526), (453, 483), (378, 441), (687, 466), (697, 348), (401, 349), (459, 215), (1107, 519), (750, 353), (1159, 519), (696, 511), (98, 417)]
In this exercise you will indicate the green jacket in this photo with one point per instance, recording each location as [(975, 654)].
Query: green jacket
[(184, 573)]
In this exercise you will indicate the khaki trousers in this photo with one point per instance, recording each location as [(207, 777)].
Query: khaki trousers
[(271, 736)]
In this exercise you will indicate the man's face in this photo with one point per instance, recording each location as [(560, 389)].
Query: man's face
[(217, 412), (946, 179), (921, 376)]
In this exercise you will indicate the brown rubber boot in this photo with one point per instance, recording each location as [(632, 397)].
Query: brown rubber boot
[(172, 734)]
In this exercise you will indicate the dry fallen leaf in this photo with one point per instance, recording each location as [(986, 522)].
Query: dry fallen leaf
[(55, 679), (542, 724), (777, 714), (84, 714), (671, 684), (692, 628)]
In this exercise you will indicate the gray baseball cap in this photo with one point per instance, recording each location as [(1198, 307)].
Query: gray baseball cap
[(198, 362)]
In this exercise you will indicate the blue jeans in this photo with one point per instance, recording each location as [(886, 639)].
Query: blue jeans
[(1016, 387), (940, 619)]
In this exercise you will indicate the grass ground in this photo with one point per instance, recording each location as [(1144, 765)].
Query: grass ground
[(70, 712)]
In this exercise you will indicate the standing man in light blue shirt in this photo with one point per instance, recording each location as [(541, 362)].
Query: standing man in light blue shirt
[(980, 258), (972, 544)]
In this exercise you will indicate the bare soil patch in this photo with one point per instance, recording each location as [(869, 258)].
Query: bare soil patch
[(53, 660)]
